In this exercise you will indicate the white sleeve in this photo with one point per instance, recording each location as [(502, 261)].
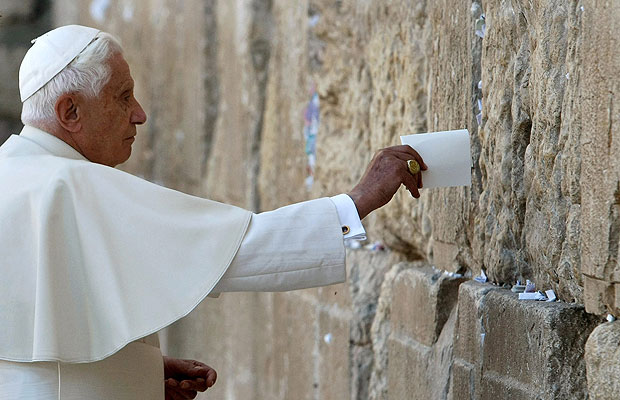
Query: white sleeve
[(294, 247), (352, 227)]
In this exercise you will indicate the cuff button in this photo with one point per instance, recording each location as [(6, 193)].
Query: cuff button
[(345, 229)]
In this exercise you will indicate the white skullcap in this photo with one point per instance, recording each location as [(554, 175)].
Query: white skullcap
[(51, 53)]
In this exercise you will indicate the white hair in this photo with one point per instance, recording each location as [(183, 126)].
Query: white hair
[(87, 74)]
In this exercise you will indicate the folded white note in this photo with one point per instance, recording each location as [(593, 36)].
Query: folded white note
[(446, 154)]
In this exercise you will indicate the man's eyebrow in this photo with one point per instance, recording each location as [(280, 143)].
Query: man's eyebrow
[(127, 86), (124, 92)]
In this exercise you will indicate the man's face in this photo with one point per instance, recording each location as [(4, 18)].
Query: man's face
[(109, 120)]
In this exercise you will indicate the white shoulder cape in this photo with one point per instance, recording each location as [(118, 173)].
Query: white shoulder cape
[(93, 258)]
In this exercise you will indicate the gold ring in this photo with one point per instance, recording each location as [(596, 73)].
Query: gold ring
[(414, 167)]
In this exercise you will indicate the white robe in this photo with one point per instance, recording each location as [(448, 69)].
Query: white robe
[(97, 259)]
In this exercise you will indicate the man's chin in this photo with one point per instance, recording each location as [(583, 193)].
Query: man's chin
[(122, 159)]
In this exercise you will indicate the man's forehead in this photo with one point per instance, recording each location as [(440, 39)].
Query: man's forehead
[(121, 75)]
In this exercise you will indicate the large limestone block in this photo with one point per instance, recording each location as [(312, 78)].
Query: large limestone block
[(406, 373), (422, 300), (526, 348), (603, 361), (598, 294), (420, 344), (469, 333), (468, 341), (600, 146), (367, 271), (417, 370), (538, 344), (380, 332), (462, 382)]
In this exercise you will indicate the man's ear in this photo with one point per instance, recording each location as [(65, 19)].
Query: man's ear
[(68, 112)]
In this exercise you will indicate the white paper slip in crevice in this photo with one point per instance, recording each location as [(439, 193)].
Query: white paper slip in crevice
[(447, 156)]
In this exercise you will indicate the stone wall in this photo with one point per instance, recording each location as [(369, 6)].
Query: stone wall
[(20, 22), (226, 86)]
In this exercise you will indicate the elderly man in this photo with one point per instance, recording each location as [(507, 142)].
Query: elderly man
[(95, 261)]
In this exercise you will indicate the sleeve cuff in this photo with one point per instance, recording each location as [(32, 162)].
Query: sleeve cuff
[(352, 227)]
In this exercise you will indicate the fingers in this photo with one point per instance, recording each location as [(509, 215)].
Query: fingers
[(406, 152), (180, 390), (204, 371), (204, 374), (172, 392), (412, 182), (199, 384), (211, 377)]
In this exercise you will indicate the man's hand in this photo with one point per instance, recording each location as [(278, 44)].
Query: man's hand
[(385, 173), (185, 378)]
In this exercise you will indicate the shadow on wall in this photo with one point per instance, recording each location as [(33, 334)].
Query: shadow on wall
[(20, 22)]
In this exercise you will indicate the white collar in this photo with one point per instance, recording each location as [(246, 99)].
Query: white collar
[(50, 143)]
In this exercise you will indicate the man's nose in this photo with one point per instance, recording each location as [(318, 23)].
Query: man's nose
[(138, 116)]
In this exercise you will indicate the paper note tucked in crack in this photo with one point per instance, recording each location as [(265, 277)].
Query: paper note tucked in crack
[(446, 155)]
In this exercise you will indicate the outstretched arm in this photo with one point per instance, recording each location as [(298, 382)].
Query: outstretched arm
[(300, 245)]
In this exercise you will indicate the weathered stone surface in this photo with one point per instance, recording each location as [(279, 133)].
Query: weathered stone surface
[(419, 64), (366, 273), (602, 356), (411, 359), (380, 332), (469, 339), (598, 293), (498, 387), (526, 348), (422, 300), (547, 340), (415, 361), (600, 183), (462, 382), (416, 368)]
